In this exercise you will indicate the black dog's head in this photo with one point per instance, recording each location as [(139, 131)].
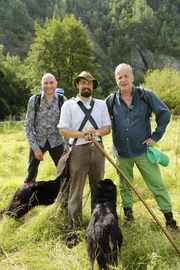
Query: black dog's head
[(105, 192), (106, 185)]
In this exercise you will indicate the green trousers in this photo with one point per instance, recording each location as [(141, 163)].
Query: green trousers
[(152, 177)]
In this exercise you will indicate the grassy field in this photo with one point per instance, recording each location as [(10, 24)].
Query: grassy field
[(37, 241)]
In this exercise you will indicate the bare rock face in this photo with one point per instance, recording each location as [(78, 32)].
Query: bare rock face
[(140, 58), (145, 59)]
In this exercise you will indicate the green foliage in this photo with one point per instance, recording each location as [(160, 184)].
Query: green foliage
[(124, 23), (5, 110), (138, 77), (14, 92), (16, 27), (43, 230), (62, 48), (165, 83), (60, 43)]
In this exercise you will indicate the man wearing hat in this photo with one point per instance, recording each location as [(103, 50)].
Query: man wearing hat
[(131, 130), (85, 159)]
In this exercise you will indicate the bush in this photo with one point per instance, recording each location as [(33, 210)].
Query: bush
[(165, 83)]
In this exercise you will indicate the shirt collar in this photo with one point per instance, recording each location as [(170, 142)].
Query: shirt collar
[(55, 94), (132, 93), (85, 102)]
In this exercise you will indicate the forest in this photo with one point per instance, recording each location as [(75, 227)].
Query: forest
[(67, 36)]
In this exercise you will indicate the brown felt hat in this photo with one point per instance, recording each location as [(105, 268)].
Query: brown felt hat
[(87, 76)]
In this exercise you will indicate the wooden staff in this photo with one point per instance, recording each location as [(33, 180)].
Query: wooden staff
[(137, 193)]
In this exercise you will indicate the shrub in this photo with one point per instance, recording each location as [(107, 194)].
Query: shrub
[(165, 83)]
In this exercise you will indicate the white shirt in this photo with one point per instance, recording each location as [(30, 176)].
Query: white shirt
[(72, 116)]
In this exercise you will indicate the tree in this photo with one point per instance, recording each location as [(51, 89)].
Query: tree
[(14, 92), (63, 49), (16, 27)]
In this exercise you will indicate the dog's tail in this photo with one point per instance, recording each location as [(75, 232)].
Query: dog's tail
[(115, 243), (108, 247), (101, 259), (103, 248)]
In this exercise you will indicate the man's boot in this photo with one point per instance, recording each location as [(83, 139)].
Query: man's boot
[(171, 222), (128, 216)]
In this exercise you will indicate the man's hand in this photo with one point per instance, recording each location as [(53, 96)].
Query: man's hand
[(149, 142), (39, 154), (89, 132)]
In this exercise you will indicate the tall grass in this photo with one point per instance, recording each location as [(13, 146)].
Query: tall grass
[(37, 241)]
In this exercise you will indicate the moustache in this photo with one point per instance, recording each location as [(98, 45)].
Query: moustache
[(86, 88)]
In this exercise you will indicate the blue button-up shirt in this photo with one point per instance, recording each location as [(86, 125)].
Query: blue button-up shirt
[(131, 126)]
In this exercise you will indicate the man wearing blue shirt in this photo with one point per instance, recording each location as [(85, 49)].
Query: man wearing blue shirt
[(131, 132)]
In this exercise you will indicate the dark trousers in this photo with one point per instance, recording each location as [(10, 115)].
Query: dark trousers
[(33, 165)]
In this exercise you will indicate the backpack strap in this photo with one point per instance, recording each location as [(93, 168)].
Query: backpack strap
[(60, 101), (110, 103), (38, 101), (143, 95)]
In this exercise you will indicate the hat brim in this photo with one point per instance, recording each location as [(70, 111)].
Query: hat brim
[(95, 82)]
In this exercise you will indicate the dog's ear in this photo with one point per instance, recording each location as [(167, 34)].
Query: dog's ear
[(108, 184)]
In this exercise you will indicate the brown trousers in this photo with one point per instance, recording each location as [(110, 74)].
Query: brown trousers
[(85, 160)]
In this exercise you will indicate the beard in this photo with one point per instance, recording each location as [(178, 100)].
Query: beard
[(86, 93)]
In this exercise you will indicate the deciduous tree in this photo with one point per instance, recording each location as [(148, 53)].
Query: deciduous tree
[(62, 48)]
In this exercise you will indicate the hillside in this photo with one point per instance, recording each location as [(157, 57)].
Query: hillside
[(65, 37), (117, 26)]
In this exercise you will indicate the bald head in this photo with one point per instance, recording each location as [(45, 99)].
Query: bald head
[(123, 67), (48, 75)]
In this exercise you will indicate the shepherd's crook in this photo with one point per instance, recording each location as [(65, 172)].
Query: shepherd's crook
[(140, 197)]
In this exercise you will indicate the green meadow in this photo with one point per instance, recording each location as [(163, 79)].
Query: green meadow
[(37, 241)]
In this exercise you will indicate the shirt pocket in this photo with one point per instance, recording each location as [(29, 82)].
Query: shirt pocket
[(138, 113)]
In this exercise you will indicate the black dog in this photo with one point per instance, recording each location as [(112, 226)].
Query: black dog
[(103, 236), (35, 193)]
